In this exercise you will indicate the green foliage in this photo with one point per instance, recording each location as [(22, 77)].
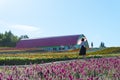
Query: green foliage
[(24, 37), (102, 45), (92, 44), (23, 61), (109, 50), (8, 39)]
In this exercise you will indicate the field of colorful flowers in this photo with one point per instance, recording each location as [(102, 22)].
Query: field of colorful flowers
[(80, 69), (12, 56), (18, 50)]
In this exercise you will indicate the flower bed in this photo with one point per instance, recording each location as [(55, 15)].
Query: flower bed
[(90, 69)]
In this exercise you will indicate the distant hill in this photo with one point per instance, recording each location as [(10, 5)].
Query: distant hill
[(109, 50)]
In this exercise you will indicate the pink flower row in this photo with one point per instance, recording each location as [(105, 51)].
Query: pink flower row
[(90, 69)]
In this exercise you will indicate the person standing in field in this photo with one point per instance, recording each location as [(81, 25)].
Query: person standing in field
[(82, 51)]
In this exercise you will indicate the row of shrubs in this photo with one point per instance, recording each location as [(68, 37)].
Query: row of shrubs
[(27, 61)]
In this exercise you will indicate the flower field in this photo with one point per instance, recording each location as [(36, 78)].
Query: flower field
[(80, 69), (12, 56)]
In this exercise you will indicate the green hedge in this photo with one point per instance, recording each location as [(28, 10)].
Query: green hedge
[(19, 61), (27, 61)]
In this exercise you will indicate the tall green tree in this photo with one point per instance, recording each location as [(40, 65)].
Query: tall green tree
[(24, 37), (1, 39), (102, 45), (91, 44), (8, 39)]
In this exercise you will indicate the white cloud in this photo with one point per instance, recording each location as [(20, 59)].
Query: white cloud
[(26, 28), (31, 31)]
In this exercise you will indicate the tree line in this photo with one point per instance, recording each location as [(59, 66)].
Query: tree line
[(102, 45), (8, 39)]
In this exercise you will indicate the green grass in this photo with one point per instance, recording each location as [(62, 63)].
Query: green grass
[(111, 50)]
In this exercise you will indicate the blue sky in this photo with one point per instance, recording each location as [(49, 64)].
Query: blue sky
[(98, 20)]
